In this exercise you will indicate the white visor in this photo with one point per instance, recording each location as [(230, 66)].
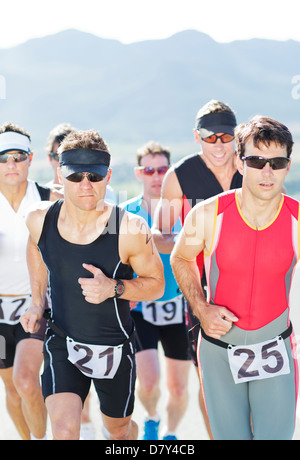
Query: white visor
[(14, 141)]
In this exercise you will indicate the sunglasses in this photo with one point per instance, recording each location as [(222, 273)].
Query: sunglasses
[(17, 157), (54, 156), (149, 170), (260, 162), (213, 138), (79, 176)]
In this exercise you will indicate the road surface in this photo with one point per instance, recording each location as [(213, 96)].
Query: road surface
[(192, 426)]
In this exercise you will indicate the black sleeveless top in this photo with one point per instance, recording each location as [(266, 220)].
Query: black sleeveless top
[(198, 182), (107, 323)]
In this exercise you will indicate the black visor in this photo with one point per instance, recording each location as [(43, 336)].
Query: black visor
[(218, 122), (84, 160)]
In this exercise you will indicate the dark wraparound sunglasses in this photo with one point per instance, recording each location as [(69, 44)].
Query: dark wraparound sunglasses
[(260, 162), (213, 138), (78, 177), (54, 156), (149, 170), (17, 157)]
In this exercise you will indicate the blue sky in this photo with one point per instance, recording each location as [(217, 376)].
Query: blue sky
[(136, 20)]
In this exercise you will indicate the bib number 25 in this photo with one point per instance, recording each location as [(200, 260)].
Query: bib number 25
[(259, 361)]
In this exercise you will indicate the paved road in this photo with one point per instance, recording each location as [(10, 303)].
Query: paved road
[(192, 426)]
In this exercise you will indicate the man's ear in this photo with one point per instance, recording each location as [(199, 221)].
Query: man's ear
[(59, 175), (108, 176), (240, 165), (138, 173), (30, 158), (197, 136)]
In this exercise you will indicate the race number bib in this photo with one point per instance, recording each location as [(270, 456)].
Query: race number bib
[(163, 313), (12, 308), (94, 361), (259, 361)]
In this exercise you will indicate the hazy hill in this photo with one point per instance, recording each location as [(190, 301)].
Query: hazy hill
[(146, 90)]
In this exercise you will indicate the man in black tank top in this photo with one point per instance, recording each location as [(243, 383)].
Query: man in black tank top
[(199, 176), (195, 178), (90, 248)]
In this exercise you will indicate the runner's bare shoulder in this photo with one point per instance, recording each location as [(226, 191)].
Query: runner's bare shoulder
[(35, 218)]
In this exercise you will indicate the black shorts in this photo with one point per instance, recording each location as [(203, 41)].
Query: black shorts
[(173, 338), (193, 328), (116, 395), (193, 325), (12, 335)]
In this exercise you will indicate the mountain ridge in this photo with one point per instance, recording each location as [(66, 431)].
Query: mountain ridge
[(145, 90)]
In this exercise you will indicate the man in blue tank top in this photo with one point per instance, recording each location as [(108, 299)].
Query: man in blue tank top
[(90, 249), (162, 319)]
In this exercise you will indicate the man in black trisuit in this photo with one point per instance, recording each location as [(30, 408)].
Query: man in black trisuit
[(195, 178), (90, 249)]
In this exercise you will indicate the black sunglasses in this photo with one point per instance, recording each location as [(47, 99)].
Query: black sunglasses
[(79, 176), (260, 162), (213, 138), (54, 156), (17, 157)]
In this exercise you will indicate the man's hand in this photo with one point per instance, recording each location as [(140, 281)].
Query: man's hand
[(30, 319), (98, 288), (216, 321), (132, 304)]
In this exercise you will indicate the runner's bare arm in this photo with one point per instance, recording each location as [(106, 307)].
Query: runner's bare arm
[(37, 270), (167, 212), (195, 237), (137, 248)]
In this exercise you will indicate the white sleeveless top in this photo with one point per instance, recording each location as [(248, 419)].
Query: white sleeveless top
[(14, 276)]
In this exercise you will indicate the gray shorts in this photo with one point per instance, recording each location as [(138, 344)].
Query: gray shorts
[(269, 403)]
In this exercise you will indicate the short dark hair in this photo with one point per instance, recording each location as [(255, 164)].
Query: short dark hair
[(89, 139), (263, 130)]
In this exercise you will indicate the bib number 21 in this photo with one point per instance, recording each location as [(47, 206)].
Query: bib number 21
[(259, 361), (95, 361)]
